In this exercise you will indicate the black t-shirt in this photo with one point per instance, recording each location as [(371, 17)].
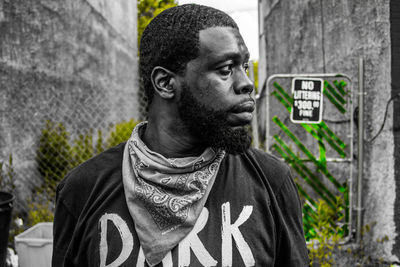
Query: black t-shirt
[(252, 217)]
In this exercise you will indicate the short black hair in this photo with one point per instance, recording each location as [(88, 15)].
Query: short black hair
[(172, 39)]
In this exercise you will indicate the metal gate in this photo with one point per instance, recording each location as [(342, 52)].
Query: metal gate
[(320, 154)]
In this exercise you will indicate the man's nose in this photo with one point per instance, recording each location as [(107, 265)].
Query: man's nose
[(243, 83)]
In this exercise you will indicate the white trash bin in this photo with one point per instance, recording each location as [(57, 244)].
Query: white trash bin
[(35, 245)]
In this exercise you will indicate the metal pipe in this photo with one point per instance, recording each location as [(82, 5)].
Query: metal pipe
[(328, 160), (359, 207), (267, 108), (350, 181)]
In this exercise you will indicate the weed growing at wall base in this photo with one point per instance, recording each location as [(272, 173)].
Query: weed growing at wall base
[(328, 247), (327, 234)]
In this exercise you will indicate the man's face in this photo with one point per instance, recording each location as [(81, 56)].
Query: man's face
[(215, 100)]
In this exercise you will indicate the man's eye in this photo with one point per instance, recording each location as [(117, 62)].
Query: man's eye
[(246, 67), (225, 70)]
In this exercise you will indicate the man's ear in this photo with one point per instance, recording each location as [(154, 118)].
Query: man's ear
[(163, 82)]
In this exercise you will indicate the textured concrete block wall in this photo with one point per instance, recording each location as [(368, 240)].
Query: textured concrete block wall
[(70, 61), (326, 36)]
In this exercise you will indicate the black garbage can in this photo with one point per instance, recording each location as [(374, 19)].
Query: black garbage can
[(6, 205)]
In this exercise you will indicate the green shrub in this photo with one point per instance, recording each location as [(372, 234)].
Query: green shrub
[(327, 234), (121, 133), (328, 248), (99, 143), (82, 148), (53, 156), (57, 153), (40, 212)]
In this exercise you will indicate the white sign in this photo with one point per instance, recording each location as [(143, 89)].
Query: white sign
[(307, 100)]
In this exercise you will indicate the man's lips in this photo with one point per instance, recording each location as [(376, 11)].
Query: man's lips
[(247, 106), (241, 114)]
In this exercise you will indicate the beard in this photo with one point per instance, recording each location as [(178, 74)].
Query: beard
[(211, 126)]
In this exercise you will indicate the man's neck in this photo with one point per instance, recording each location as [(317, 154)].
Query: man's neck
[(171, 139)]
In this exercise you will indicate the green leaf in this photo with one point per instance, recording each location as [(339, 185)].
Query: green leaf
[(282, 100), (322, 168), (333, 101), (333, 91), (340, 86), (283, 92)]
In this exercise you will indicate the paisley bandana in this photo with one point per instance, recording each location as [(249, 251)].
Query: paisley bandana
[(165, 196)]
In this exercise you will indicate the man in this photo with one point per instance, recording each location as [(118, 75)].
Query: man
[(186, 189)]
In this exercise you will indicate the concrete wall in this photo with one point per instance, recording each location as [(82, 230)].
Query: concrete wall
[(71, 61), (325, 36)]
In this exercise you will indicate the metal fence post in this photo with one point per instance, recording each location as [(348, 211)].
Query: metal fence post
[(359, 207)]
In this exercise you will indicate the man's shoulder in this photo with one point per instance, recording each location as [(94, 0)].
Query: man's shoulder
[(276, 171), (268, 159), (104, 167)]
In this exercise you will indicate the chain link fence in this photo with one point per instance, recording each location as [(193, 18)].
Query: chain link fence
[(50, 131)]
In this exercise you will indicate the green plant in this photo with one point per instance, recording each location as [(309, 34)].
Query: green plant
[(148, 9), (40, 212), (57, 153), (99, 143), (82, 148), (327, 234), (255, 68), (328, 248), (53, 156), (121, 132), (361, 253), (40, 209)]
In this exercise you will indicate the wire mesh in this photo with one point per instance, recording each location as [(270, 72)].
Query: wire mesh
[(48, 132)]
